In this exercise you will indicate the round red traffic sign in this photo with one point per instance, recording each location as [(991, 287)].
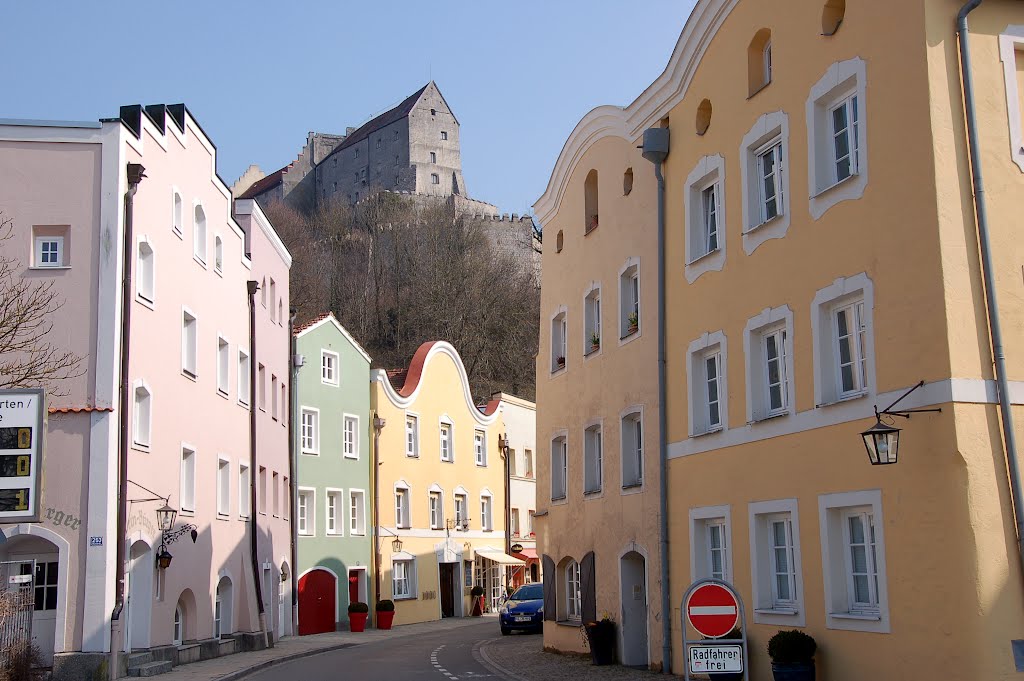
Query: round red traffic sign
[(713, 610)]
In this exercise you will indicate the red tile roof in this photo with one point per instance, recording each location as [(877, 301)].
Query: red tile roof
[(410, 377), (315, 320), (77, 410), (265, 184)]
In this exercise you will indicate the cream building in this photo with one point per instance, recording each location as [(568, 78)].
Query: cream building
[(520, 417), (440, 489), (821, 259)]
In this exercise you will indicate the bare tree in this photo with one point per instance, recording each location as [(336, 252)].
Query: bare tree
[(27, 357)]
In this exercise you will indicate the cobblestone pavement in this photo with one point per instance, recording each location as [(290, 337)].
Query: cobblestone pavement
[(521, 657)]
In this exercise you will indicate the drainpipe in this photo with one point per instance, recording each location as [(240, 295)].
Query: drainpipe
[(293, 367), (378, 425), (655, 150), (257, 577), (991, 304), (135, 174)]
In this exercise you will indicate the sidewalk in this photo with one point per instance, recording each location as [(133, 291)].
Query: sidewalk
[(521, 657), (231, 667)]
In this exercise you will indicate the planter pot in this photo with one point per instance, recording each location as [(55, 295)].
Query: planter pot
[(633, 329), (595, 348), (793, 672), (478, 606), (385, 618), (357, 621), (601, 637)]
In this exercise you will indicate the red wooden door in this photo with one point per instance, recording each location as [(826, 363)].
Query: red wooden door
[(353, 586), (316, 602)]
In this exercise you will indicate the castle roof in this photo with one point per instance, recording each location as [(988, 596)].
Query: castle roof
[(382, 121), (267, 183)]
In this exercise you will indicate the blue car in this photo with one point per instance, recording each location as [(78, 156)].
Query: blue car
[(524, 610)]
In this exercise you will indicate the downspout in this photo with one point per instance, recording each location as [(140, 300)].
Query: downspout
[(251, 287), (991, 303), (293, 369), (135, 174), (655, 150), (378, 425)]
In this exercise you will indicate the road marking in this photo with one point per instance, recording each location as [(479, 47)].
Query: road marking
[(437, 665)]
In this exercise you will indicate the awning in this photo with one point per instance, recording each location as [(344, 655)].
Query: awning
[(527, 554), (499, 557)]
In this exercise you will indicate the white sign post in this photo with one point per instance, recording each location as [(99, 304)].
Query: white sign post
[(22, 428)]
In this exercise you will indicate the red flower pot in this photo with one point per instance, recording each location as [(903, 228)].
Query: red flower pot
[(357, 621), (385, 618)]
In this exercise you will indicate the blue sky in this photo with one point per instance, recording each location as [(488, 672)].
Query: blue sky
[(259, 75)]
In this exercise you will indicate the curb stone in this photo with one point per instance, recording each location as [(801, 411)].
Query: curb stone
[(481, 656), (260, 666)]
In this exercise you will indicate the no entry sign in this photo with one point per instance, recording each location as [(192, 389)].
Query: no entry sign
[(712, 610)]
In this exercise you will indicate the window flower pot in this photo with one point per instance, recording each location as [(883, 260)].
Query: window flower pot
[(601, 638), (560, 362), (633, 328), (357, 621)]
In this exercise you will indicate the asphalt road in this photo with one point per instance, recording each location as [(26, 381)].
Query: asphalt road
[(442, 656)]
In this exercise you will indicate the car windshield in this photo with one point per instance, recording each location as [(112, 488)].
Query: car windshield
[(529, 592)]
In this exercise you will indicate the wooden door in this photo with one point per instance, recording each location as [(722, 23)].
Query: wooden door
[(316, 602), (447, 589)]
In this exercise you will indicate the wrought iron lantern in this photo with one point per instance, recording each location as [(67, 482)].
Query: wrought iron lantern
[(163, 559), (396, 545), (165, 516), (882, 440)]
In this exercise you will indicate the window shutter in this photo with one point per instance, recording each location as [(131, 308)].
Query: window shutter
[(588, 588), (549, 578)]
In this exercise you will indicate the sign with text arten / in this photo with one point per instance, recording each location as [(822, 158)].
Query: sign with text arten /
[(22, 429)]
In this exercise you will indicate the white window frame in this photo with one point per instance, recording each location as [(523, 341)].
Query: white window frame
[(336, 495), (770, 130), (709, 171), (446, 442), (480, 446), (833, 510), (218, 253), (700, 551), (187, 480), (461, 508), (486, 511), (350, 449), (313, 446), (433, 157), (305, 520), (409, 578), (843, 291), (769, 320), (560, 461), (142, 416), (244, 490), (244, 378), (559, 339), (697, 381), (573, 595), (593, 458), (435, 178), (435, 510), (38, 252), (177, 211), (189, 344), (631, 451), (223, 365), (357, 520), (592, 319), (768, 609), (200, 234), (841, 81), (629, 299), (403, 510), (223, 486), (766, 62), (1011, 41), (145, 282), (330, 364), (412, 435)]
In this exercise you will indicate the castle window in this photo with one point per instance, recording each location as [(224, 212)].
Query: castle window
[(590, 202), (759, 62), (357, 152), (433, 112), (444, 135), (435, 178), (433, 157), (378, 142)]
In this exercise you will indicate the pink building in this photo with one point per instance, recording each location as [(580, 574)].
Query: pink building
[(193, 252)]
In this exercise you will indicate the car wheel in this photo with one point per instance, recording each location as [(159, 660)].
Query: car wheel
[(505, 631)]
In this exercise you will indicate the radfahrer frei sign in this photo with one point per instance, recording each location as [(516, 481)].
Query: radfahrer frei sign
[(22, 426), (713, 609)]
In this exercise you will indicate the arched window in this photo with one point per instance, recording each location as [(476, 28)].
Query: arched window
[(590, 202), (199, 234), (627, 182), (218, 253), (179, 625), (176, 214), (146, 285), (570, 603), (759, 61), (832, 16), (703, 116), (558, 242)]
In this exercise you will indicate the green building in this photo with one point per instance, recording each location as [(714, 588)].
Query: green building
[(333, 497)]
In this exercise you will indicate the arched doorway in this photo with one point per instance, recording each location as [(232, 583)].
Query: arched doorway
[(633, 592), (317, 601), (140, 596), (48, 585), (223, 607), (184, 625)]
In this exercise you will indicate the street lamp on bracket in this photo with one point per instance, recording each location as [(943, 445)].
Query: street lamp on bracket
[(882, 440)]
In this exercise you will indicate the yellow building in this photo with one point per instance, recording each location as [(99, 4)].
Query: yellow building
[(440, 489), (821, 258)]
